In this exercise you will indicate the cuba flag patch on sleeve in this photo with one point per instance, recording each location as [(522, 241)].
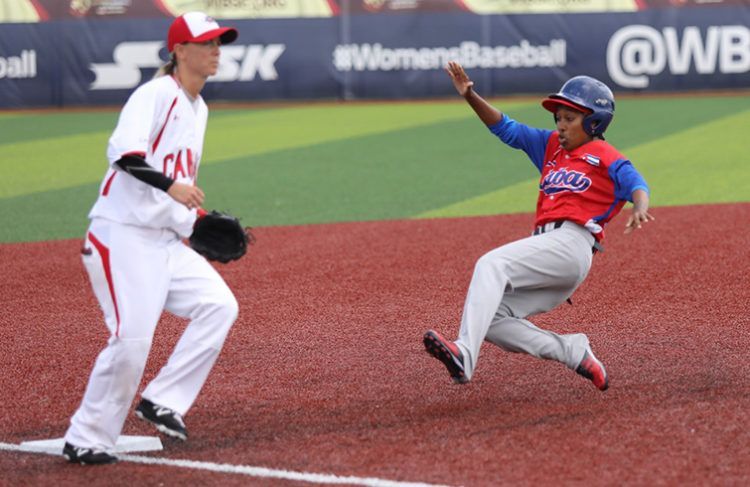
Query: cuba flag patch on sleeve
[(593, 160)]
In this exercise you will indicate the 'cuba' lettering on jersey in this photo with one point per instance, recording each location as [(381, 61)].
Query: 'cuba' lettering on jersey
[(565, 180), (179, 166)]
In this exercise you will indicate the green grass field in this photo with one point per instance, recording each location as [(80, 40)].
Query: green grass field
[(352, 162)]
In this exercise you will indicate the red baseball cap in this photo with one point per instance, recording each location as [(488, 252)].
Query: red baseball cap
[(197, 27)]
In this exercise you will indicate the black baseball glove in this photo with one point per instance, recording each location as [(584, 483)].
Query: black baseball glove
[(219, 236)]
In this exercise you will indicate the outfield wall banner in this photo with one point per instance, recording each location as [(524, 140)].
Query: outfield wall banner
[(47, 10), (80, 62)]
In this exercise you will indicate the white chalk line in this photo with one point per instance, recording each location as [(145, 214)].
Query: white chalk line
[(251, 471)]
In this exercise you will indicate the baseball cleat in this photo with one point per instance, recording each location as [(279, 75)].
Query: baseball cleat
[(448, 353), (87, 456), (166, 420), (592, 369)]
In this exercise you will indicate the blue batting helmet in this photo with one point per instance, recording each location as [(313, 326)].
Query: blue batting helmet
[(588, 95)]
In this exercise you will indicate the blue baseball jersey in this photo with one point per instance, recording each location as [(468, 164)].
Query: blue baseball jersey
[(588, 185)]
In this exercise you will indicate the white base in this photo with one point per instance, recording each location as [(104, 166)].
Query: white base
[(124, 444)]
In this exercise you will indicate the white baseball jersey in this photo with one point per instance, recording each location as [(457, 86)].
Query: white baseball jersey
[(164, 125)]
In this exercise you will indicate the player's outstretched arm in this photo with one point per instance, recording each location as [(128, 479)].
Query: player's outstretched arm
[(640, 214), (465, 87)]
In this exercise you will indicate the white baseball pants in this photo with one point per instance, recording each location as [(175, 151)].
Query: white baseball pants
[(137, 273), (523, 278)]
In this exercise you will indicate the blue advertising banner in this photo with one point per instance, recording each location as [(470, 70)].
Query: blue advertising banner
[(28, 75), (80, 62), (669, 49)]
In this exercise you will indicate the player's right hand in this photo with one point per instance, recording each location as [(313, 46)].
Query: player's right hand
[(187, 194), (459, 77), (637, 218)]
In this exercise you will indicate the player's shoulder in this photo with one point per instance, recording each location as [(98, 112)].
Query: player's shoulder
[(604, 150), (202, 104), (163, 86), (201, 108)]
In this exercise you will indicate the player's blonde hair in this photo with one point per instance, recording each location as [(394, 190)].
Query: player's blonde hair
[(168, 68)]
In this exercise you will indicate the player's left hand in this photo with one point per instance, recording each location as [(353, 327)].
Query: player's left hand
[(637, 219), (220, 236), (460, 79), (187, 194)]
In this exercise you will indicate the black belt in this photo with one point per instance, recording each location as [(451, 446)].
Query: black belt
[(597, 247), (556, 224)]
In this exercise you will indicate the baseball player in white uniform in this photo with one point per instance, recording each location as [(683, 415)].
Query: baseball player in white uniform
[(135, 256)]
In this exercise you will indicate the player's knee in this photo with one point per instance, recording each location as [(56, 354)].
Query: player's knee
[(225, 308), (213, 319), (128, 362), (489, 263), (491, 271), (231, 308)]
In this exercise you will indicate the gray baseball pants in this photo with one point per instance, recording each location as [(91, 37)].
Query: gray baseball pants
[(520, 279)]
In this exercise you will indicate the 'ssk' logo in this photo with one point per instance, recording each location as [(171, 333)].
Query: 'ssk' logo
[(238, 63)]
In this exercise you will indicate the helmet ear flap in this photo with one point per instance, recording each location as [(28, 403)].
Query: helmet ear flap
[(596, 123), (593, 124)]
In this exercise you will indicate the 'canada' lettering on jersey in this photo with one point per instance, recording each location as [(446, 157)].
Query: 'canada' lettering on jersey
[(179, 167), (588, 185)]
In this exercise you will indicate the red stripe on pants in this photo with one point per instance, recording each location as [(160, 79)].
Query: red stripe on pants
[(104, 253)]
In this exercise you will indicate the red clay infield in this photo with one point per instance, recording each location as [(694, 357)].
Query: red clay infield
[(324, 371)]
